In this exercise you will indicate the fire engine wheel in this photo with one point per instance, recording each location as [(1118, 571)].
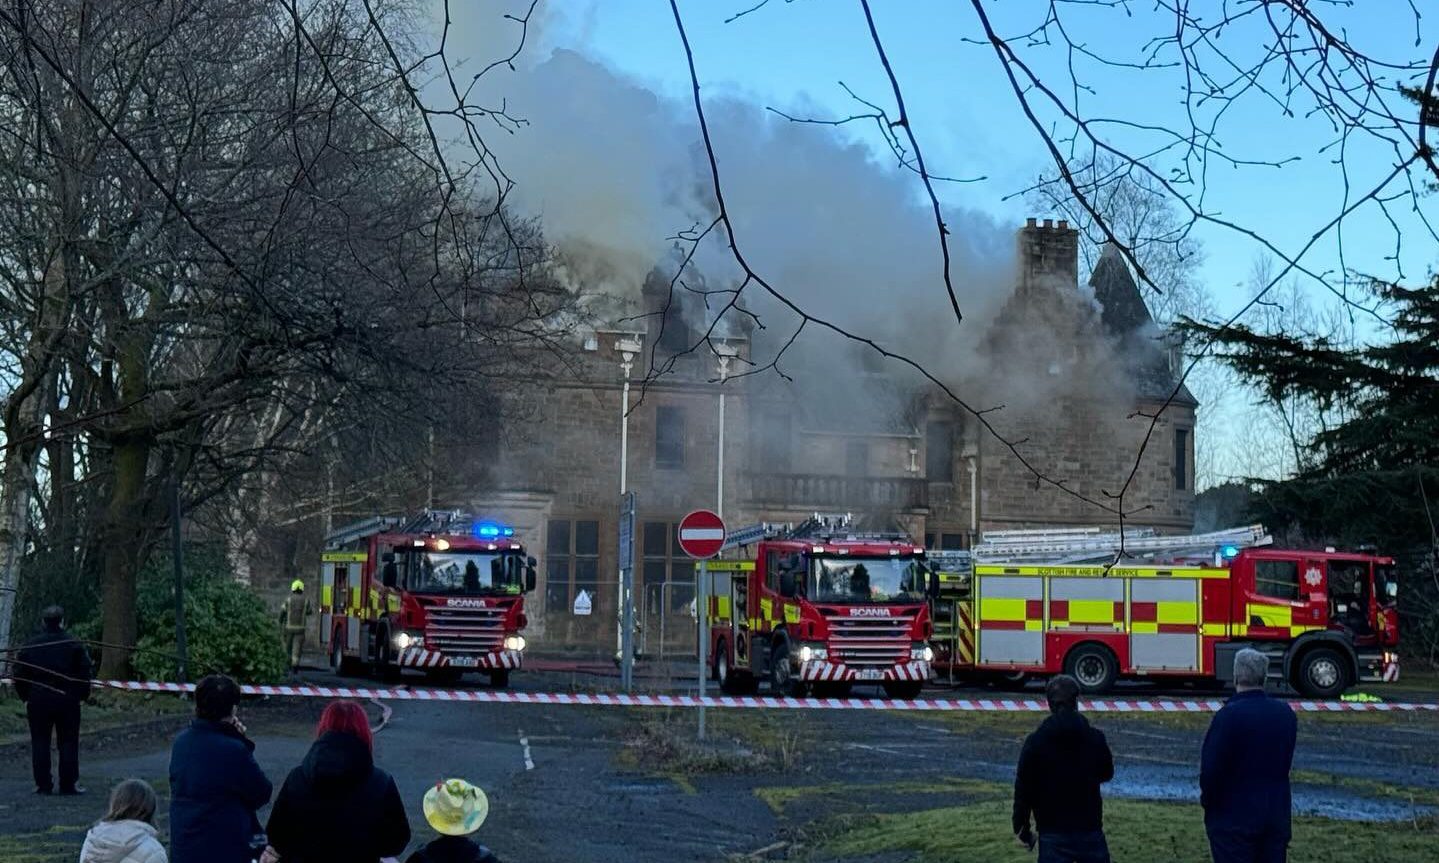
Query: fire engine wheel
[(782, 681), (385, 666), (1093, 666), (1322, 673), (341, 664)]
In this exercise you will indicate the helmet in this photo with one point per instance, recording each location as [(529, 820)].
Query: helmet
[(297, 586)]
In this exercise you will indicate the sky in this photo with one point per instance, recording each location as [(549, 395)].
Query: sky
[(609, 150)]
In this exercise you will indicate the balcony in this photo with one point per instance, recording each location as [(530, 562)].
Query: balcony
[(829, 492)]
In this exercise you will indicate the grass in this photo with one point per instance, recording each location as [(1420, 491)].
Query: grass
[(57, 844), (1138, 832), (665, 743), (106, 709), (779, 798)]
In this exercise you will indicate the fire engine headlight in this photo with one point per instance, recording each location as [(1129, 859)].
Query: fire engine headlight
[(923, 653), (515, 642), (405, 640), (810, 654)]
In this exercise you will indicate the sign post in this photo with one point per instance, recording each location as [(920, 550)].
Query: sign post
[(627, 594), (702, 535)]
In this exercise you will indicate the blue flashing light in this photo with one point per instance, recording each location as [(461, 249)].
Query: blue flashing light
[(1230, 552), (486, 530), (509, 531)]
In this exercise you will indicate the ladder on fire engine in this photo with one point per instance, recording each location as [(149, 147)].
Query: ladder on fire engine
[(819, 525), (1090, 545), (359, 530)]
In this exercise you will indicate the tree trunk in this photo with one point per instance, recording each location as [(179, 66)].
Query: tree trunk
[(125, 537), (15, 484)]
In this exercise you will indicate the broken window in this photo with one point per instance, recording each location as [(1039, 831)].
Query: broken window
[(939, 452), (669, 437)]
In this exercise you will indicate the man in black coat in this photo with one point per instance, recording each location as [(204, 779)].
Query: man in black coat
[(1061, 767), (1244, 769), (52, 677)]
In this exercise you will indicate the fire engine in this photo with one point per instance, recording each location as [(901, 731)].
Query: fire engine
[(816, 606), (1028, 603), (441, 593)]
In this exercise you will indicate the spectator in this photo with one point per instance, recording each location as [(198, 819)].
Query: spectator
[(52, 677), (1244, 769), (1061, 767), (294, 617), (216, 784), (127, 832), (338, 783), (455, 809)]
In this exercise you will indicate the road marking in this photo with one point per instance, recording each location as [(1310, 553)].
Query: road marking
[(525, 747)]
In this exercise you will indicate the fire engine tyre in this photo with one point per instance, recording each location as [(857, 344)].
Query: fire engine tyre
[(782, 681), (903, 690), (385, 666), (340, 664), (1093, 666), (500, 678), (1322, 673)]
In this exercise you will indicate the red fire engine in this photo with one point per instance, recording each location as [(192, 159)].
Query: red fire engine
[(816, 606), (441, 593), (1037, 603)]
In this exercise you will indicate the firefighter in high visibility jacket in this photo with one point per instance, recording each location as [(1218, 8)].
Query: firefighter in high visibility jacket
[(293, 618)]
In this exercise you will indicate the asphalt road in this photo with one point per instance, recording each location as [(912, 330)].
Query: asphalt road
[(583, 784)]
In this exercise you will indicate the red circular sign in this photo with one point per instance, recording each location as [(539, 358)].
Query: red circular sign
[(702, 534)]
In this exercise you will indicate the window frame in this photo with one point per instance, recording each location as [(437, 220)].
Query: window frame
[(663, 459), (1261, 579), (568, 561)]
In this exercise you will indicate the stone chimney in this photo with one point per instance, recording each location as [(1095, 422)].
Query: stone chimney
[(1048, 255)]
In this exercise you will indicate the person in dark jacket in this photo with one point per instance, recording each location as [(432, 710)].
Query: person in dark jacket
[(455, 809), (216, 786), (1061, 767), (338, 783), (52, 677), (1244, 770)]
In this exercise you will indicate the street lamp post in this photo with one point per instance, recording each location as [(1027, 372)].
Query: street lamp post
[(629, 347), (724, 353)]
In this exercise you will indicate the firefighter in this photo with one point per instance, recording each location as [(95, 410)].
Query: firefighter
[(293, 617)]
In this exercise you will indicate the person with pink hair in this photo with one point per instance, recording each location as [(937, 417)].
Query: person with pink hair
[(338, 784)]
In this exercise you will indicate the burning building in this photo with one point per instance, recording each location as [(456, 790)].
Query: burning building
[(1079, 369)]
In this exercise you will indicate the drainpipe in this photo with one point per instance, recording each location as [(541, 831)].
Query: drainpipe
[(973, 500)]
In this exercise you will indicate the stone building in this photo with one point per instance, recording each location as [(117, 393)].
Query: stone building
[(908, 457)]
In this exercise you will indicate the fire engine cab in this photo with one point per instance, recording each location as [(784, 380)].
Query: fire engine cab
[(1041, 602), (441, 593), (817, 606)]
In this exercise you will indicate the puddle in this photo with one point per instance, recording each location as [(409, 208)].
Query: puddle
[(1340, 804)]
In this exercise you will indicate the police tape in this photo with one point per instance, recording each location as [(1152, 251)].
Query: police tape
[(491, 696)]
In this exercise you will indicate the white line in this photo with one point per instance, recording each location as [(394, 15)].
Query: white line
[(525, 747), (702, 533)]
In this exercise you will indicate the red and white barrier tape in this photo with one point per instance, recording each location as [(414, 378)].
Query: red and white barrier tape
[(490, 696)]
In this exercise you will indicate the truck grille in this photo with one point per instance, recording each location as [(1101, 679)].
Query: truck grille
[(870, 640), (464, 630)]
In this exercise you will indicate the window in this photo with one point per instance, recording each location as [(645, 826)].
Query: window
[(1278, 579), (669, 587), (669, 436), (947, 541), (572, 562), (939, 452), (1181, 459), (856, 458), (772, 431)]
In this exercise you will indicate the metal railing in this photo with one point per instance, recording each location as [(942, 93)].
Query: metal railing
[(799, 491)]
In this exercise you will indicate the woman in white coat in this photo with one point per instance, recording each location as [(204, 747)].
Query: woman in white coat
[(127, 832)]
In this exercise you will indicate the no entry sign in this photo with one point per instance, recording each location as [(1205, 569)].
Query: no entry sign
[(702, 534)]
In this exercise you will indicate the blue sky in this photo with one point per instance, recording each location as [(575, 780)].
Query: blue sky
[(793, 54)]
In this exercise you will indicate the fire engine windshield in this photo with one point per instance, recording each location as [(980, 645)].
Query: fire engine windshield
[(879, 579), (466, 573)]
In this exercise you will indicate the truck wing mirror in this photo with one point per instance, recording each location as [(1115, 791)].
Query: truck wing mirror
[(390, 575), (934, 584), (531, 562), (530, 579), (387, 557)]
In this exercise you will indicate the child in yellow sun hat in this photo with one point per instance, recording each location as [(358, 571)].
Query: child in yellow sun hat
[(455, 809)]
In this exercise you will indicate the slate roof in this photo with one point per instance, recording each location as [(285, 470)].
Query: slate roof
[(1125, 317)]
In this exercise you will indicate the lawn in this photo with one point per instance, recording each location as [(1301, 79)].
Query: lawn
[(107, 708), (1138, 832)]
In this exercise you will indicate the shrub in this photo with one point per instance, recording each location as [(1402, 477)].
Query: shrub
[(228, 629)]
